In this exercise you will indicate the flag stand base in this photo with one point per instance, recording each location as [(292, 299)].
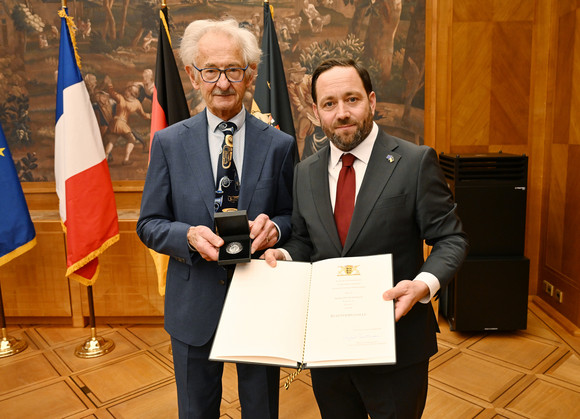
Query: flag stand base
[(94, 346), (11, 346), (8, 345)]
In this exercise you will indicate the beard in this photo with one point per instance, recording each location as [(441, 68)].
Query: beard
[(347, 142)]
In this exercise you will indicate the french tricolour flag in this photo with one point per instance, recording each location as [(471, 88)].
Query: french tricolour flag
[(83, 183)]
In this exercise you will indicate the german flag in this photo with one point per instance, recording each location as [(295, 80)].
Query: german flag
[(271, 103), (168, 107), (169, 104)]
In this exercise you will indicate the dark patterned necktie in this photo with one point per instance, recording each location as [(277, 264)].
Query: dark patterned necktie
[(345, 194), (227, 188)]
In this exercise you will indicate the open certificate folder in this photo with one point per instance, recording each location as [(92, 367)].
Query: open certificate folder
[(327, 313)]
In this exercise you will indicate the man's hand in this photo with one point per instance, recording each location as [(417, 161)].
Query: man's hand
[(405, 294), (263, 232), (272, 255), (205, 241)]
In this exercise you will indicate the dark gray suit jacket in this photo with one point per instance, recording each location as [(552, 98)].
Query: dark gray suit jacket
[(403, 200), (179, 193)]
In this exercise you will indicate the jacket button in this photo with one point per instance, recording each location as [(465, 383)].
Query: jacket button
[(222, 282)]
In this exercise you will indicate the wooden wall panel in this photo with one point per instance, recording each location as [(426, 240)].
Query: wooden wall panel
[(540, 132), (566, 6), (564, 195), (571, 237), (471, 80), (513, 10), (575, 91), (510, 83), (34, 283), (128, 194), (41, 195), (556, 208), (472, 10), (491, 75), (127, 284), (559, 258), (564, 74)]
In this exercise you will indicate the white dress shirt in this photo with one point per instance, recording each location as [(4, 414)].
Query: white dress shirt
[(216, 138), (362, 152)]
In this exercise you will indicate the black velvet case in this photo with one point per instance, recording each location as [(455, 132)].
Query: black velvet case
[(233, 227)]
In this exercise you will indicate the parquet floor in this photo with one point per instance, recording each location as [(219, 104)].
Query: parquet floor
[(525, 374)]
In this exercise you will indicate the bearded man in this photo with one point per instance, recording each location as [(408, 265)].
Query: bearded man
[(370, 193)]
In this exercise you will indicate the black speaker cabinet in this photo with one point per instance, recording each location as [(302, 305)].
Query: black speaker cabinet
[(490, 191), (488, 294), (490, 291)]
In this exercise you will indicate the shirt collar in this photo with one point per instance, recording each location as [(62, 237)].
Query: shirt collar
[(213, 121), (362, 151)]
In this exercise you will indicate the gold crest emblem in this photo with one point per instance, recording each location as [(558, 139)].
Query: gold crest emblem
[(348, 270), (265, 117)]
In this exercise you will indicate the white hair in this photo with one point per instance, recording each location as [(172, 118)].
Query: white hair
[(188, 50)]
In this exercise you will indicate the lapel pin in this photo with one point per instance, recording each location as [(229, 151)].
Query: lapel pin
[(390, 158)]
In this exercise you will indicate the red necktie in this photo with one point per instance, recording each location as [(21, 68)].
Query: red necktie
[(345, 191)]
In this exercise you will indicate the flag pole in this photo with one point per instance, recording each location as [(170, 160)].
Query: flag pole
[(8, 345), (94, 346)]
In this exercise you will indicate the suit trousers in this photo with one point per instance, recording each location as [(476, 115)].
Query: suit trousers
[(382, 393), (199, 385)]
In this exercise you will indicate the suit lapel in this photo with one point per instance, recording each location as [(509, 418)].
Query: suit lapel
[(256, 149), (196, 148), (379, 170), (318, 174)]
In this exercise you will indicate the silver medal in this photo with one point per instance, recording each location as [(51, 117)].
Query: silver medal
[(234, 248)]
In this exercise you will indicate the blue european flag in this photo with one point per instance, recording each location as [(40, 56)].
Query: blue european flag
[(17, 234)]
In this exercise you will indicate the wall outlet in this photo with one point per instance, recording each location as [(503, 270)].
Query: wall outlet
[(548, 288), (559, 295)]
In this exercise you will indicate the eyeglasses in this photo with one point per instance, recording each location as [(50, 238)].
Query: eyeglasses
[(212, 74)]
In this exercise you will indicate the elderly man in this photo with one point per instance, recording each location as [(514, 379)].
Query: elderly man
[(190, 177), (371, 193)]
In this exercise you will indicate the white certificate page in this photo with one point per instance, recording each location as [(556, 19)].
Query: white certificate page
[(264, 315), (349, 322)]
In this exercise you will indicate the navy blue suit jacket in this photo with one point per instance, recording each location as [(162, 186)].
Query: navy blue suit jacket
[(179, 193), (403, 200)]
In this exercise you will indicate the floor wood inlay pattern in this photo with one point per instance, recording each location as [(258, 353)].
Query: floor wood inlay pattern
[(533, 373)]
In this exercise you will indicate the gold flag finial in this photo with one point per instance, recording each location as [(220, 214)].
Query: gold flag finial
[(267, 2), (63, 2), (72, 31)]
